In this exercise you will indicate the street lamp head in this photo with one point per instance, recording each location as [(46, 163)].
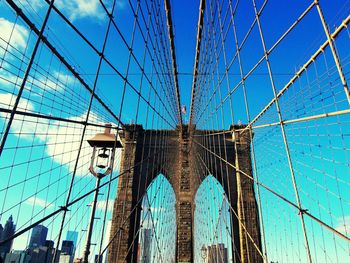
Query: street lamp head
[(104, 144), (105, 140)]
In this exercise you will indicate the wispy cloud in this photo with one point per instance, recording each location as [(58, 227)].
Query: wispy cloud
[(62, 141), (7, 79), (82, 9), (121, 4), (36, 201), (32, 4), (343, 224), (57, 81), (101, 205), (7, 101), (15, 37), (14, 34)]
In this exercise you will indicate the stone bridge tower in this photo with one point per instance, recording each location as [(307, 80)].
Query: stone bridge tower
[(181, 166)]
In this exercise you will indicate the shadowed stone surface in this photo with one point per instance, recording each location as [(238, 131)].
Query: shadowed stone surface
[(185, 163)]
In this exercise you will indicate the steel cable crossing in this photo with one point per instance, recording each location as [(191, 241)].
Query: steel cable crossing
[(295, 127), (298, 106), (52, 128)]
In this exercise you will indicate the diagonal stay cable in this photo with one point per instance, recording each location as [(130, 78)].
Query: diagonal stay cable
[(304, 211), (60, 57), (65, 208), (196, 65), (339, 29), (25, 78), (173, 55)]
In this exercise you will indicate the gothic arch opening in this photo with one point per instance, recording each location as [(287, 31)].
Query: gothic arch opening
[(157, 232), (213, 237)]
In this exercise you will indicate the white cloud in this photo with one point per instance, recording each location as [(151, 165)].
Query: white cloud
[(82, 8), (62, 141), (35, 5), (102, 205), (31, 125), (14, 34), (17, 36), (343, 225), (36, 201), (57, 82), (9, 79), (63, 78), (120, 4), (7, 101), (79, 9)]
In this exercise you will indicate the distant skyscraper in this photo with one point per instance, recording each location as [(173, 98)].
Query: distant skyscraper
[(49, 243), (65, 258), (217, 254), (97, 260), (43, 254), (17, 256), (146, 240), (73, 236), (38, 237), (67, 247), (7, 232), (1, 229)]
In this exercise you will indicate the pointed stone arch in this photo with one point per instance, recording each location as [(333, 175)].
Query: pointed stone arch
[(176, 158)]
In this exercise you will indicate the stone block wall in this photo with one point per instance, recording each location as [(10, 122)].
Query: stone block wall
[(178, 153)]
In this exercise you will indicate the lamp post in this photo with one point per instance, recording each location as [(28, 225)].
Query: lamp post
[(204, 253), (104, 144)]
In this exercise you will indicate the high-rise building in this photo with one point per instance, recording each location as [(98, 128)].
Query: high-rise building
[(67, 247), (43, 254), (72, 236), (7, 232), (222, 253), (1, 229), (17, 256), (146, 248), (65, 258), (98, 259), (49, 243), (67, 252), (38, 237), (217, 254)]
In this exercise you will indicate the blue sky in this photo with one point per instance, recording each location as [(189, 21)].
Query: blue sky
[(48, 148)]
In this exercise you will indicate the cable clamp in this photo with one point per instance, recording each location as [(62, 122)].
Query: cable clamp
[(64, 208), (302, 211)]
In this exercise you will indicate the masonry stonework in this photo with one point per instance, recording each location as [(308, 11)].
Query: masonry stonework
[(143, 158)]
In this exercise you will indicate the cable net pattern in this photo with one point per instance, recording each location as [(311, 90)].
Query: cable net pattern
[(61, 81), (284, 81), (281, 84)]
